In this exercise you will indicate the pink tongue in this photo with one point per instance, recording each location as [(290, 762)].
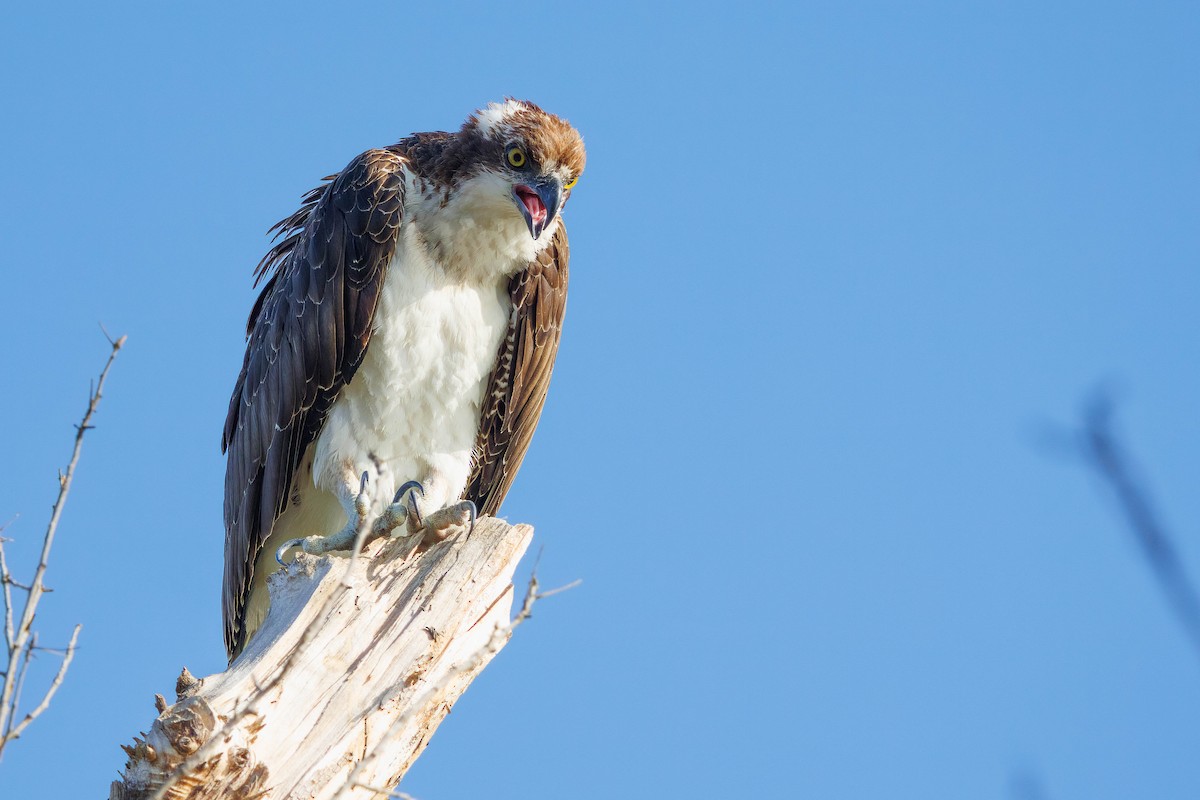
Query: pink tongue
[(533, 204)]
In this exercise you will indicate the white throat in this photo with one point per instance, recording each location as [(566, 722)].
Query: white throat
[(477, 233)]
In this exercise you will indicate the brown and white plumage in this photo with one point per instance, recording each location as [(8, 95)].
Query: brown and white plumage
[(408, 329), (517, 388)]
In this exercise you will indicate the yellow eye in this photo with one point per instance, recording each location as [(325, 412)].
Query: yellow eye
[(571, 184), (516, 156)]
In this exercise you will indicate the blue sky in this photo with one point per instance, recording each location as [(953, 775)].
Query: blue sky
[(836, 268)]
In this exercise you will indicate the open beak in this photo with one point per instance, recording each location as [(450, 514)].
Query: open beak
[(538, 203)]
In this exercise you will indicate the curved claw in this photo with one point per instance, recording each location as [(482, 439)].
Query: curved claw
[(474, 515), (412, 507), (414, 485), (361, 501), (287, 546)]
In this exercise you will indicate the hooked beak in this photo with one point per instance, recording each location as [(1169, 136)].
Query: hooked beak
[(538, 203)]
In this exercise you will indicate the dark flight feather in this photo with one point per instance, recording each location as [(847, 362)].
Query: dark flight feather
[(307, 335)]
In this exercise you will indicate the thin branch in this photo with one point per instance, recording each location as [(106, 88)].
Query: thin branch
[(20, 686), (50, 692), (19, 634), (361, 504), (24, 587), (385, 792), (6, 580), (1106, 456), (1027, 785), (551, 592)]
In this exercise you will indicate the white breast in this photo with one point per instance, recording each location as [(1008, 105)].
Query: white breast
[(413, 406)]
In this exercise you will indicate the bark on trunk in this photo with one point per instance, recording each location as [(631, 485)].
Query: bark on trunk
[(357, 663)]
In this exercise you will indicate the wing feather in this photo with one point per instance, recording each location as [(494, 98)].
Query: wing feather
[(517, 388), (306, 336)]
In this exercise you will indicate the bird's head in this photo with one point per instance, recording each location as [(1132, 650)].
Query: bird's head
[(532, 157)]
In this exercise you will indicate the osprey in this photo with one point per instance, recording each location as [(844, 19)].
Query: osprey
[(403, 341)]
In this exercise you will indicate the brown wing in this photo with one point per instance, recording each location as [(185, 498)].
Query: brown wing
[(517, 388), (306, 336)]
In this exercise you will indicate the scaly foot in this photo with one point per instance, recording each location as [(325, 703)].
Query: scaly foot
[(434, 527), (343, 539)]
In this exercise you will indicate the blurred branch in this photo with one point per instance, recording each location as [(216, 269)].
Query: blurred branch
[(385, 792), (1106, 456), (19, 637), (1027, 785)]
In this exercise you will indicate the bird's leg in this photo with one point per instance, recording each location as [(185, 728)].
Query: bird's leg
[(356, 505), (398, 513), (436, 526), (445, 522)]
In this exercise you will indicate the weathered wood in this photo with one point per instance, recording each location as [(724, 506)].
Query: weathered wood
[(355, 666)]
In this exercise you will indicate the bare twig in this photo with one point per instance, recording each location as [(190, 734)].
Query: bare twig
[(1105, 454), (1027, 785), (6, 580), (65, 664), (360, 534), (20, 685), (18, 634), (385, 792)]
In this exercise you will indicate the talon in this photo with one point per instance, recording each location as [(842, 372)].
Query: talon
[(474, 513), (414, 519), (287, 546), (361, 501), (411, 512), (414, 485)]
